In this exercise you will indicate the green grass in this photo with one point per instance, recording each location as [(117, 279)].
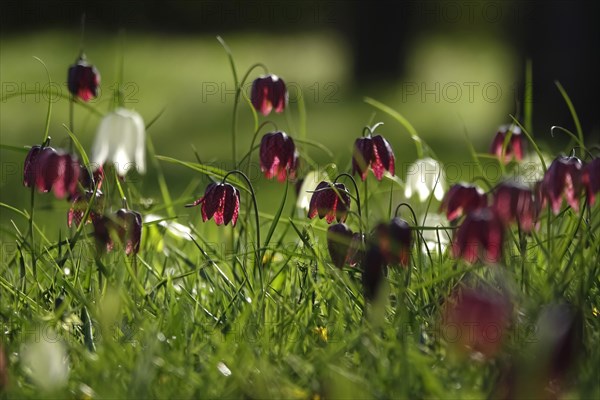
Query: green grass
[(195, 318)]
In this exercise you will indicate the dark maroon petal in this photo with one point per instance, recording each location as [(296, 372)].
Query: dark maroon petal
[(462, 199), (209, 202), (259, 95), (383, 157), (591, 180), (230, 203), (313, 208), (482, 229), (401, 240), (563, 177), (30, 168), (356, 251), (341, 203), (236, 207), (83, 80), (268, 151), (48, 165), (339, 237), (79, 206), (498, 143), (279, 94), (362, 156), (515, 202), (102, 233), (215, 204), (88, 181)]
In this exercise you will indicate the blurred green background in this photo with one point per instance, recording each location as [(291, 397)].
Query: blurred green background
[(447, 67)]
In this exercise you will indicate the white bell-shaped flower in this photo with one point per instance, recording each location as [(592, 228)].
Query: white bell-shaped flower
[(121, 139), (423, 177)]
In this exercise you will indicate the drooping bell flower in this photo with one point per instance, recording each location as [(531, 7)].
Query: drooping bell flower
[(480, 236), (394, 241), (591, 180), (268, 92), (339, 237), (126, 225), (80, 204), (423, 177), (375, 152), (515, 202), (563, 177), (515, 146), (50, 169), (476, 320), (83, 79), (278, 156), (374, 271), (121, 139), (220, 200), (461, 199), (330, 201)]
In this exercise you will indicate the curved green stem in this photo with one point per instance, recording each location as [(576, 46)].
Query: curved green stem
[(256, 219), (355, 190)]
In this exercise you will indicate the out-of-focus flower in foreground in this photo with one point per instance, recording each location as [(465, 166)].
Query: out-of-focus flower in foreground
[(480, 236), (278, 156), (563, 177), (121, 139), (46, 362), (221, 201), (49, 169), (476, 321), (330, 201), (515, 146), (126, 225), (423, 177), (268, 92), (394, 241), (461, 199), (83, 79), (339, 237), (375, 152)]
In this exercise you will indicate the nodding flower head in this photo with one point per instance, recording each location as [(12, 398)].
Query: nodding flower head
[(563, 177), (90, 181), (80, 204), (121, 139), (268, 93), (375, 152), (331, 201), (515, 146), (278, 156), (461, 199), (394, 241), (515, 202), (345, 247), (480, 236), (83, 80), (221, 201), (126, 225), (479, 318), (591, 180), (49, 169)]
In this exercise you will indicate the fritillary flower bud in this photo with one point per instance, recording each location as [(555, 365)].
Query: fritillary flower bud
[(375, 152), (461, 199), (514, 202), (480, 236), (278, 156), (268, 93), (83, 80), (330, 201), (221, 201), (563, 178), (514, 147)]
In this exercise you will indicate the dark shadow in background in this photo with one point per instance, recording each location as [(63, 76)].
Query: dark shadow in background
[(562, 38)]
